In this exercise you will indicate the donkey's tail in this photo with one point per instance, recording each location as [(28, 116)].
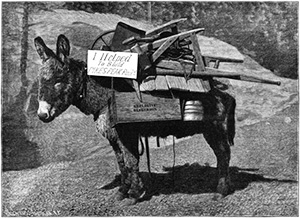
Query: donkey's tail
[(231, 120)]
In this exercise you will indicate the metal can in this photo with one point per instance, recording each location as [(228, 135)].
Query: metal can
[(193, 110)]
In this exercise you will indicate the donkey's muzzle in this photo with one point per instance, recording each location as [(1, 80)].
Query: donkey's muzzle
[(44, 112)]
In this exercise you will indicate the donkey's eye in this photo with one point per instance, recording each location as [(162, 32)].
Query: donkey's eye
[(58, 86)]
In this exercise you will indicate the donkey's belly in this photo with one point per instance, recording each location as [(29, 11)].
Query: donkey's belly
[(155, 128), (166, 128)]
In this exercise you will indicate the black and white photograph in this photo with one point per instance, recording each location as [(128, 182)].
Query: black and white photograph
[(149, 108)]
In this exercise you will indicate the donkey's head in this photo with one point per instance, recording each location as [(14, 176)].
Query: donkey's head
[(59, 81)]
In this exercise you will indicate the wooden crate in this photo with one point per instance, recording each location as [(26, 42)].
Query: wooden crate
[(125, 107)]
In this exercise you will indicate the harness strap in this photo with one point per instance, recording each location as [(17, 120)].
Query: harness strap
[(147, 153), (83, 87), (174, 162), (142, 146), (148, 156)]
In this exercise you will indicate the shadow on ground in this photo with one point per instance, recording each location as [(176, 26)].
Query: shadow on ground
[(194, 179)]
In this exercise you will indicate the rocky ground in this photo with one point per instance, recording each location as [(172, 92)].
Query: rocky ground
[(264, 171)]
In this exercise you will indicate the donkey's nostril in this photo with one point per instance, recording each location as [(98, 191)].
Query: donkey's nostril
[(43, 116)]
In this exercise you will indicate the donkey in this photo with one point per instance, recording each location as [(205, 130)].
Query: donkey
[(63, 81)]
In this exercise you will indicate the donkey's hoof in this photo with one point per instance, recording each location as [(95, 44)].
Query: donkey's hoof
[(224, 187), (129, 202), (119, 196)]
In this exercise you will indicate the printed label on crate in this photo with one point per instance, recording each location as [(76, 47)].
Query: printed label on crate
[(112, 64), (144, 107)]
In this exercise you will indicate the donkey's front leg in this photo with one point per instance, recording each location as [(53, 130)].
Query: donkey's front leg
[(125, 180), (128, 137), (217, 140), (104, 128)]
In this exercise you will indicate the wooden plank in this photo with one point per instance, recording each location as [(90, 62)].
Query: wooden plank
[(177, 83), (212, 72), (197, 52), (195, 85), (175, 68), (163, 48), (136, 87), (158, 43), (161, 83), (200, 66), (148, 84), (223, 59), (173, 65), (168, 64), (128, 109), (205, 84), (164, 26)]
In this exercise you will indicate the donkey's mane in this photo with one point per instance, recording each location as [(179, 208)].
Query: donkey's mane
[(91, 95), (77, 65)]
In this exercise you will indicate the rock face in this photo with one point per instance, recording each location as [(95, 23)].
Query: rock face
[(254, 101)]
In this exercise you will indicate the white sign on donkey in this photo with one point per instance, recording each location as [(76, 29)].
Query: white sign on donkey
[(112, 64)]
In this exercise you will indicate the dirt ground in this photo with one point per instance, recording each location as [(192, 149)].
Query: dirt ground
[(264, 172)]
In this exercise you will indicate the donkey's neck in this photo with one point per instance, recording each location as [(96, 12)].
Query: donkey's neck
[(91, 97)]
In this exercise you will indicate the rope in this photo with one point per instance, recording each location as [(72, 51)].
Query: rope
[(187, 75), (147, 153), (112, 83), (174, 161), (148, 156), (142, 146)]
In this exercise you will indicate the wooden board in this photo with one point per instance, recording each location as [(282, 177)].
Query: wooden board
[(165, 67), (161, 83), (148, 84), (165, 83), (158, 43), (125, 107), (195, 85), (199, 58), (177, 83), (212, 72), (197, 53), (206, 85), (163, 48)]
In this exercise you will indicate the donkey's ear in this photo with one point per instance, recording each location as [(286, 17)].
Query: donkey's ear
[(62, 47), (41, 48)]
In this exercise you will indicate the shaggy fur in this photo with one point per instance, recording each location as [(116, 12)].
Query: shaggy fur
[(63, 81)]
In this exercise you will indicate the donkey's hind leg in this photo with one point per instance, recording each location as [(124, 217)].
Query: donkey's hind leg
[(217, 140)]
